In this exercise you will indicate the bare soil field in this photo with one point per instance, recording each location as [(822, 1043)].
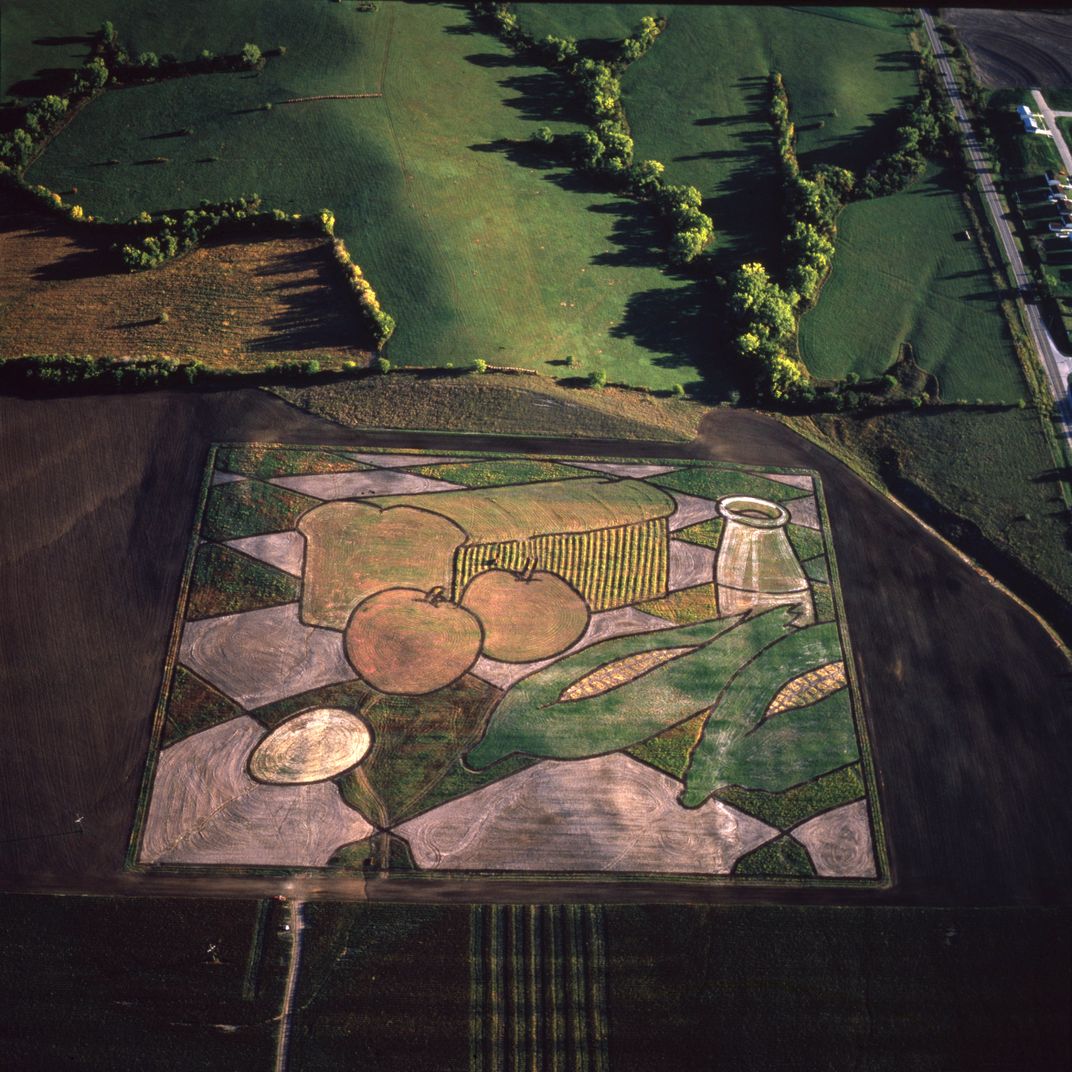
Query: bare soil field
[(229, 304), (966, 697), (1016, 48)]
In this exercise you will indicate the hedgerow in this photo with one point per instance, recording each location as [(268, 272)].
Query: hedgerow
[(606, 148)]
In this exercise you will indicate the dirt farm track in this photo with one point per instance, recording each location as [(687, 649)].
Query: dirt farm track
[(966, 696)]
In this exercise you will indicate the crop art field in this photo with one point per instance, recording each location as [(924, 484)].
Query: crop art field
[(478, 663)]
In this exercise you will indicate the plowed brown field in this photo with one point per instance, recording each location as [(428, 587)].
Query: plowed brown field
[(230, 304), (1016, 48)]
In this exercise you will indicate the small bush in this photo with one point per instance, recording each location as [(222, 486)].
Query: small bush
[(677, 390), (383, 366), (479, 365), (597, 379)]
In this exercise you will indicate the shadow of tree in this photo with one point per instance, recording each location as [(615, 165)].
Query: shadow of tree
[(315, 311), (491, 59), (42, 82)]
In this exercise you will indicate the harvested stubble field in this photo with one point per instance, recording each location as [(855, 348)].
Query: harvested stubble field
[(475, 246), (229, 304), (905, 272), (697, 101), (1016, 48), (496, 403)]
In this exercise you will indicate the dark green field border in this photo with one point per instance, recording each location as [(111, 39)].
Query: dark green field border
[(884, 878)]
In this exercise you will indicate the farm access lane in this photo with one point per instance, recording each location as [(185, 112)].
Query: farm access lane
[(100, 492), (1058, 365)]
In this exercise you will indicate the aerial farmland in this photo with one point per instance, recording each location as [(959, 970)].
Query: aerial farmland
[(534, 536)]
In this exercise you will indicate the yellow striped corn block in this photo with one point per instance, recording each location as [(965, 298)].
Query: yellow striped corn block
[(619, 672), (610, 567), (809, 688)]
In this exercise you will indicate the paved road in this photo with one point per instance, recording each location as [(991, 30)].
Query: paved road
[(1058, 366), (1051, 124)]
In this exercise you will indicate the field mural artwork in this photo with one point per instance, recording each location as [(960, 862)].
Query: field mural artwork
[(490, 664)]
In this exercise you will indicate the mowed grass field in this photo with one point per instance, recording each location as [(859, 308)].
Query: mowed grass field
[(476, 252), (903, 272), (698, 100)]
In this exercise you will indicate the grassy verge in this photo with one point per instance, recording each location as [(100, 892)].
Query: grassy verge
[(497, 402)]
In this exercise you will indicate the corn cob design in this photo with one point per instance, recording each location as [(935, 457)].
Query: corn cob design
[(808, 688), (619, 672)]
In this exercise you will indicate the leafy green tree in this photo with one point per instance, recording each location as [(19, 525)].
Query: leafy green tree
[(94, 74), (251, 55)]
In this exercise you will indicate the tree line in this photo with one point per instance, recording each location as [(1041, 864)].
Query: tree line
[(606, 147)]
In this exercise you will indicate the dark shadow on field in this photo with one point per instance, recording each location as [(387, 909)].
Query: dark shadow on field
[(491, 59), (70, 39), (88, 258), (317, 313), (746, 205), (544, 96), (44, 81), (724, 120), (638, 236), (860, 148), (898, 60)]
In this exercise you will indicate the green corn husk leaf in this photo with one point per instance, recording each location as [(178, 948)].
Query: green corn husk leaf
[(532, 719), (740, 747)]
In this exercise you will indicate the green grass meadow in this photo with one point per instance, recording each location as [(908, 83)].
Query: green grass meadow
[(698, 100), (904, 273), (478, 252)]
